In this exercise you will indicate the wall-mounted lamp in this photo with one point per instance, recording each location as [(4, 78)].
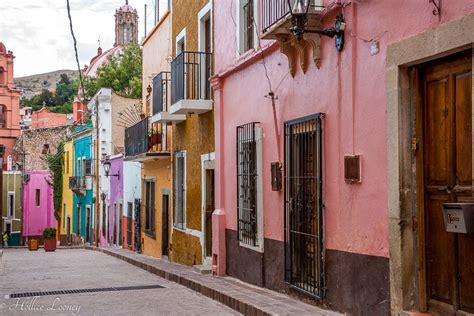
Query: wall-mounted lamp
[(107, 168), (299, 18)]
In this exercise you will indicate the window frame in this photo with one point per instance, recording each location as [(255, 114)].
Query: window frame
[(259, 234), (11, 208), (182, 225), (150, 208), (38, 198), (242, 26)]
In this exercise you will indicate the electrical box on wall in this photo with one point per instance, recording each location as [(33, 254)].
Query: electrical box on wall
[(459, 217), (352, 169), (276, 176)]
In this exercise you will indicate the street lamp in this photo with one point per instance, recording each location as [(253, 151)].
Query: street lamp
[(107, 168), (299, 18)]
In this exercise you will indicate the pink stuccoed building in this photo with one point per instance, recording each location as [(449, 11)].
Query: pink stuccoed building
[(332, 166), (9, 103), (38, 209)]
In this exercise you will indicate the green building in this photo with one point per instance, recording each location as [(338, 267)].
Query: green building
[(11, 208)]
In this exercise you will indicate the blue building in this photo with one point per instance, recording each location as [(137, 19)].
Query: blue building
[(81, 185)]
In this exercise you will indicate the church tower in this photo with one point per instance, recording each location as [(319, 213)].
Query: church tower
[(126, 25)]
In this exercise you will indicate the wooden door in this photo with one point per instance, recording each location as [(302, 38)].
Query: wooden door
[(447, 169), (210, 206)]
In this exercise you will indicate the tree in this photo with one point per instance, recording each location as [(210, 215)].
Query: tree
[(123, 74), (55, 163)]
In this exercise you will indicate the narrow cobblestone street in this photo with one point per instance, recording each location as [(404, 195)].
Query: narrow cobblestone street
[(23, 271)]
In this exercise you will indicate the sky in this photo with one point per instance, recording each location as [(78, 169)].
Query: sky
[(37, 31)]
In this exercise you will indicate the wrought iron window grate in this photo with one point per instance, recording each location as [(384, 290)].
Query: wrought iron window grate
[(304, 252), (247, 184)]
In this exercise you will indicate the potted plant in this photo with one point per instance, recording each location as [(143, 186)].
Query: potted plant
[(49, 235)]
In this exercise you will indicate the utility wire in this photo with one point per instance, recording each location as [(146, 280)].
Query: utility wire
[(75, 48)]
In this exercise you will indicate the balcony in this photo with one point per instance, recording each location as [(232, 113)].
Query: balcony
[(146, 141), (161, 100), (276, 24), (190, 87), (276, 18), (79, 184)]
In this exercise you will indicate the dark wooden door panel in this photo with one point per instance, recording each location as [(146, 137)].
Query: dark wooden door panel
[(438, 243), (447, 165)]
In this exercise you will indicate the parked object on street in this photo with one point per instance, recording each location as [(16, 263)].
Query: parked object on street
[(49, 235), (5, 239), (33, 244)]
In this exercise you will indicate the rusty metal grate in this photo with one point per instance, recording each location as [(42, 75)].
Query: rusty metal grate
[(81, 291)]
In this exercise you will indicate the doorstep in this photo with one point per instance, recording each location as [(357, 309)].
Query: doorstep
[(242, 297)]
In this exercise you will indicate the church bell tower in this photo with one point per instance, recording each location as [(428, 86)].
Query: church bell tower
[(126, 25)]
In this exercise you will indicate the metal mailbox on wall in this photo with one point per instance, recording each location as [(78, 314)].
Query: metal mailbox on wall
[(459, 217)]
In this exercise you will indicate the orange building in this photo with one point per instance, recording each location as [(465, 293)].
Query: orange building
[(45, 118), (9, 103)]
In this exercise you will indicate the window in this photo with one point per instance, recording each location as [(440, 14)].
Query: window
[(79, 167), (45, 150), (150, 208), (64, 213), (2, 76), (129, 223), (179, 216), (88, 167), (67, 161), (246, 28), (3, 116), (83, 165), (38, 197), (248, 183), (11, 204), (104, 220)]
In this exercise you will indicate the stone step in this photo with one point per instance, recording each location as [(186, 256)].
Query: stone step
[(202, 269)]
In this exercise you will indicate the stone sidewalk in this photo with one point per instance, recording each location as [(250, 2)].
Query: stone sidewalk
[(242, 297)]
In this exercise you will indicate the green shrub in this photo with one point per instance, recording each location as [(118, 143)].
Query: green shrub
[(49, 232)]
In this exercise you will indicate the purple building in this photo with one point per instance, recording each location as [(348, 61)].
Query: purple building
[(116, 201), (38, 210)]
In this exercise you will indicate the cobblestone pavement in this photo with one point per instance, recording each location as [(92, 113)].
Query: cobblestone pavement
[(24, 271)]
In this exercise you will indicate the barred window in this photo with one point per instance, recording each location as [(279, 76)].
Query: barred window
[(150, 208), (179, 216), (247, 31), (88, 167), (247, 175)]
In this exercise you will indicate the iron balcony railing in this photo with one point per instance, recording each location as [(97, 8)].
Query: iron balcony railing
[(272, 12), (136, 138), (142, 137), (77, 183), (161, 85), (190, 73)]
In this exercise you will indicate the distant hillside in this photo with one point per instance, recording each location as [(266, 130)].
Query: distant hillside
[(33, 85)]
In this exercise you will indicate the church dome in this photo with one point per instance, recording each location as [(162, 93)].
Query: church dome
[(3, 49), (127, 8)]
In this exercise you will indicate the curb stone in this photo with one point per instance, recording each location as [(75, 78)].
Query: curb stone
[(240, 302)]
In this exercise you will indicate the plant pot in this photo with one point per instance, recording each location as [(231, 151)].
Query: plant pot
[(33, 244), (50, 244)]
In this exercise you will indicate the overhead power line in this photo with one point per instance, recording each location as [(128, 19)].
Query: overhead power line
[(75, 48)]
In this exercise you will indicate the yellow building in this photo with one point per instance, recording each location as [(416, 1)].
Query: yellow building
[(149, 142), (67, 207), (193, 137)]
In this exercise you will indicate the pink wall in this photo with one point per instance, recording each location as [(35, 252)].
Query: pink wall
[(35, 218), (349, 88)]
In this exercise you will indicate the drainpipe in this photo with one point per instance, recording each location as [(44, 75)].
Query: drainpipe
[(218, 216)]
